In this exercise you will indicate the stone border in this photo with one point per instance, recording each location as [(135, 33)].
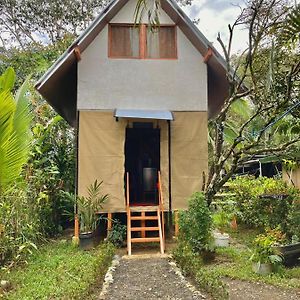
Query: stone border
[(190, 286), (108, 279)]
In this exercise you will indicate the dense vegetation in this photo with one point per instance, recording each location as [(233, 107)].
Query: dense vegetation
[(267, 213), (37, 163)]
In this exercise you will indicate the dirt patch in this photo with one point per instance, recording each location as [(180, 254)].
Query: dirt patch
[(150, 278), (245, 290)]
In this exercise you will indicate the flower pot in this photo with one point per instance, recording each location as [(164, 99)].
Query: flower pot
[(262, 269), (86, 240), (221, 239)]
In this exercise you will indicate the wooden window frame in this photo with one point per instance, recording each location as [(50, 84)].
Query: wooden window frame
[(142, 42)]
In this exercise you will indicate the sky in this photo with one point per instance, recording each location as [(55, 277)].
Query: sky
[(214, 17)]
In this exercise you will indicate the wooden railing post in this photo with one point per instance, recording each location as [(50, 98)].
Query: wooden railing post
[(76, 226), (161, 206), (109, 223), (176, 221)]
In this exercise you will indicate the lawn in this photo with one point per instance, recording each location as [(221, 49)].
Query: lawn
[(231, 262), (59, 271)]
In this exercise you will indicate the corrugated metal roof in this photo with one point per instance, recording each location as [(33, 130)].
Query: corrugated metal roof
[(144, 114)]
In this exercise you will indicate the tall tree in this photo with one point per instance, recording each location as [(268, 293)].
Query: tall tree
[(268, 78), (25, 21)]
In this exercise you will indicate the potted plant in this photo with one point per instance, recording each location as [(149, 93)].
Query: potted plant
[(221, 221), (265, 256), (87, 208)]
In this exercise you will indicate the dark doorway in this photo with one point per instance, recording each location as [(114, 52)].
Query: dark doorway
[(142, 161)]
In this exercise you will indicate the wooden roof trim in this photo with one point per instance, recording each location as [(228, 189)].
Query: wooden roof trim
[(208, 55)]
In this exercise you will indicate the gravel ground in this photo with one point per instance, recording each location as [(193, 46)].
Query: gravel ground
[(144, 277), (245, 290), (149, 278)]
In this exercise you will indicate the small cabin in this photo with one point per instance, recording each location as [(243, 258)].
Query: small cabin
[(140, 98)]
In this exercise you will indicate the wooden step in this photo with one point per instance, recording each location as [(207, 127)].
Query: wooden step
[(144, 218), (153, 208), (145, 240), (144, 228)]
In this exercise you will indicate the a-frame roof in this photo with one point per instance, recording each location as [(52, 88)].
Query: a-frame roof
[(59, 84)]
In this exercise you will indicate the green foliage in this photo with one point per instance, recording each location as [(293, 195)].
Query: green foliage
[(34, 60), (291, 26), (19, 224), (264, 250), (15, 121), (89, 205), (60, 262), (221, 220), (263, 202), (192, 265), (293, 220), (51, 169), (117, 235), (195, 224)]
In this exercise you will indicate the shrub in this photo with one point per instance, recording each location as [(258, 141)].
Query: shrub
[(117, 235), (263, 202), (293, 220), (195, 224), (19, 224)]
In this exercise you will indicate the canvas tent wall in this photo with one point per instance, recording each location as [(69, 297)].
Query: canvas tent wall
[(101, 155)]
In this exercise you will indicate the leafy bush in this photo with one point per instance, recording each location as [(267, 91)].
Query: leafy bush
[(195, 224), (293, 220), (51, 169), (117, 235), (263, 202), (19, 224), (264, 250)]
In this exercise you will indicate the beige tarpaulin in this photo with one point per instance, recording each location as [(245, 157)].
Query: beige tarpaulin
[(101, 156), (189, 155)]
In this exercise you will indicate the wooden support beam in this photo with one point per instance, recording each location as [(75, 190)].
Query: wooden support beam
[(109, 222), (208, 55), (76, 226), (143, 40), (77, 53), (176, 219)]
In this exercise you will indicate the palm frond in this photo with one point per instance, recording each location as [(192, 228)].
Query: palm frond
[(14, 130)]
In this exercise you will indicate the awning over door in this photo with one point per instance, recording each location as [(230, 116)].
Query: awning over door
[(144, 114)]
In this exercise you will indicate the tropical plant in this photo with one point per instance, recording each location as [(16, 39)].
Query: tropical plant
[(221, 220), (89, 205), (264, 250), (15, 118)]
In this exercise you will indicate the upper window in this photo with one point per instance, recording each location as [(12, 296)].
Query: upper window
[(129, 41)]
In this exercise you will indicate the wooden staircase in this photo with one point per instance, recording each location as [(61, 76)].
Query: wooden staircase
[(142, 215)]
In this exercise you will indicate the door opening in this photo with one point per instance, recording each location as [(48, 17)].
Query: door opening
[(142, 161)]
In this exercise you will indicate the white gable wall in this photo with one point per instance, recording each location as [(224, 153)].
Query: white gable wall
[(107, 83)]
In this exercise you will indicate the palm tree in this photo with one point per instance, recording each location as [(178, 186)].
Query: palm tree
[(15, 118)]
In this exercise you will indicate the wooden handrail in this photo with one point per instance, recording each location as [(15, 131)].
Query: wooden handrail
[(161, 206), (127, 189)]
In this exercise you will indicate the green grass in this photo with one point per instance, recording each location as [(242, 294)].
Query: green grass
[(234, 263), (59, 271)]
